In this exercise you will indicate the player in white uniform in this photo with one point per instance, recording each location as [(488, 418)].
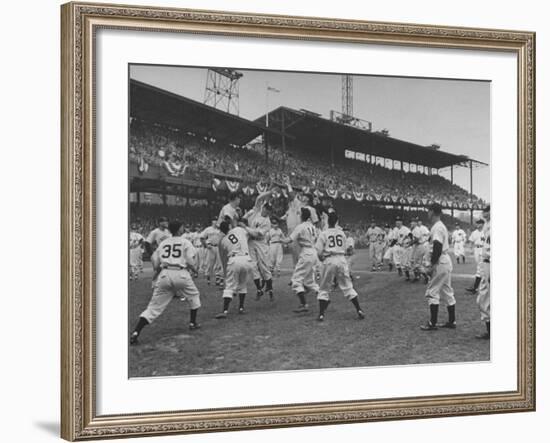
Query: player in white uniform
[(477, 239), (303, 276), (210, 239), (459, 240), (406, 257), (372, 236), (238, 265), (390, 241), (400, 232), (259, 225), (297, 200), (157, 235), (136, 252), (229, 211), (275, 237), (484, 296), (441, 268), (172, 261), (421, 237), (331, 250), (350, 250)]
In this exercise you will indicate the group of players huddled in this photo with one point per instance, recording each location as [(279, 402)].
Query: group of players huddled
[(239, 247)]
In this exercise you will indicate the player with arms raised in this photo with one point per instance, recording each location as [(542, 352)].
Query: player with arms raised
[(173, 261), (331, 250)]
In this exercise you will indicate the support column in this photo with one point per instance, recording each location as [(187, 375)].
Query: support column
[(266, 147), (284, 137), (471, 191)]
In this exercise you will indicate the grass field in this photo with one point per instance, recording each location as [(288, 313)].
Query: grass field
[(270, 337)]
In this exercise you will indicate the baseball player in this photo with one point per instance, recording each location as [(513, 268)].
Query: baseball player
[(303, 276), (230, 210), (275, 236), (210, 239), (259, 225), (136, 252), (157, 235), (421, 237), (238, 265), (406, 257), (400, 233), (379, 249), (439, 285), (172, 261), (459, 239), (331, 250), (483, 296), (372, 236), (390, 241), (350, 250), (477, 239)]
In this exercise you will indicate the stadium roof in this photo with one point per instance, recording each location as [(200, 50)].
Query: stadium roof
[(313, 132), (157, 105)]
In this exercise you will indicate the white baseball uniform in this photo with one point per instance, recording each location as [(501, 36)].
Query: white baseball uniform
[(136, 252), (331, 245), (173, 257), (259, 227), (421, 237), (275, 236), (303, 276), (477, 238), (211, 236), (156, 236), (459, 239), (440, 284), (484, 296), (234, 251)]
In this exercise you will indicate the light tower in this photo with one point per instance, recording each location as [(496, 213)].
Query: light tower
[(222, 89), (347, 96)]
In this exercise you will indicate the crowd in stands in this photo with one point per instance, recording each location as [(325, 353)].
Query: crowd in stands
[(155, 144)]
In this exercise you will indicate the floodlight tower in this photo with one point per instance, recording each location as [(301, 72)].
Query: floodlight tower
[(347, 96), (222, 89)]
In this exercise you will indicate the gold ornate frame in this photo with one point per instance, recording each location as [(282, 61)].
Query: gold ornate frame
[(80, 21)]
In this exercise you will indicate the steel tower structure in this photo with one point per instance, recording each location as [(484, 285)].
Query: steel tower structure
[(222, 89)]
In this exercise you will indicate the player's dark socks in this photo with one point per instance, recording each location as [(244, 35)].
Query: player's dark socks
[(390, 266), (142, 322), (323, 304), (458, 260), (463, 259), (193, 316), (476, 283), (452, 314), (434, 311), (302, 297), (269, 285), (226, 303), (488, 326), (258, 284), (355, 302), (407, 275), (241, 300)]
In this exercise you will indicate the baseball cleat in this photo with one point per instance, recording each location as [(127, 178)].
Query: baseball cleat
[(484, 336), (259, 294), (134, 338), (270, 292), (447, 325), (301, 308), (193, 326), (221, 315), (321, 317), (428, 327), (471, 290), (242, 311), (360, 314)]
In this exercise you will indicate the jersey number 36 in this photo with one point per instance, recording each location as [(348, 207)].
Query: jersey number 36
[(337, 240)]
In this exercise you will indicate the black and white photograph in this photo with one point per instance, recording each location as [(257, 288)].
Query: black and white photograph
[(284, 221)]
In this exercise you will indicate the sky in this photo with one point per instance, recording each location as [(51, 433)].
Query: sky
[(454, 114)]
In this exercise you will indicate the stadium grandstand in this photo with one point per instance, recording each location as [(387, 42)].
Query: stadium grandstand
[(185, 154)]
